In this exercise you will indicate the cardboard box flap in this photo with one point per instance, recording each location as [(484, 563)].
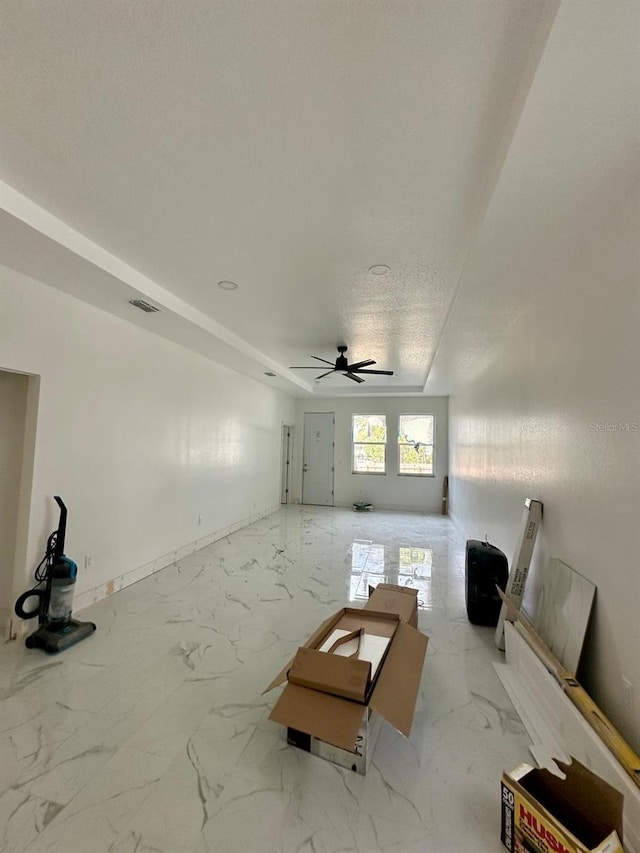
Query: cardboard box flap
[(585, 804), (281, 677), (394, 696), (327, 717), (394, 587), (340, 676), (390, 598)]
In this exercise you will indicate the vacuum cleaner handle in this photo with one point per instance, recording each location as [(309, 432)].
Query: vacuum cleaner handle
[(62, 529)]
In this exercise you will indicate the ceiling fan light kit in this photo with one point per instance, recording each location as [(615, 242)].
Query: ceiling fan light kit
[(342, 365)]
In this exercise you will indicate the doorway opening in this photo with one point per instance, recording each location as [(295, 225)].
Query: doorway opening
[(18, 414)]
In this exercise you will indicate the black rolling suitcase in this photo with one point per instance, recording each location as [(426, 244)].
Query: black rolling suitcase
[(485, 568)]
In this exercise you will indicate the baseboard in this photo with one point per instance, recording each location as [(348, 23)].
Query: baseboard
[(104, 590), (5, 623), (17, 629)]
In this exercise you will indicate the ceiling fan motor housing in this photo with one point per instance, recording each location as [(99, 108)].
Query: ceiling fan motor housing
[(341, 361)]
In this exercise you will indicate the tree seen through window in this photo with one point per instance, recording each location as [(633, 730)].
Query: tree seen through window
[(369, 439)]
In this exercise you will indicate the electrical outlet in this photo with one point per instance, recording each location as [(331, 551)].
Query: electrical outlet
[(88, 561), (627, 693)]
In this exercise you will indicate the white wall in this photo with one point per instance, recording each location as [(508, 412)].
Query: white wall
[(389, 491), (138, 435), (555, 414), (13, 409), (548, 405)]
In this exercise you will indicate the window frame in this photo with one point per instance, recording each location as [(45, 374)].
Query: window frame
[(382, 444), (405, 444)]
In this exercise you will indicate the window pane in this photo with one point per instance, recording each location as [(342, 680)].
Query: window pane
[(370, 428), (415, 428), (414, 461), (415, 571), (368, 458), (415, 562), (367, 568)]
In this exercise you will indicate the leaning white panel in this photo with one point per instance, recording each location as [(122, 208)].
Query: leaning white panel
[(562, 610)]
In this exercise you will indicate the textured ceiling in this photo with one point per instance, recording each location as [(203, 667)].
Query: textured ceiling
[(157, 147)]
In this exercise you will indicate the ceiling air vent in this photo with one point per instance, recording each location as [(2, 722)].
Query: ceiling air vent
[(144, 306)]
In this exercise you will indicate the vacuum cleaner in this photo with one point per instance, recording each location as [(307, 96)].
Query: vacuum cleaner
[(56, 576)]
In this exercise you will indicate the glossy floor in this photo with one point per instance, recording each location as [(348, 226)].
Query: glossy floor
[(152, 735)]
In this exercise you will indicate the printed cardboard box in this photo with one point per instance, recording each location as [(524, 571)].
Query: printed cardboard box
[(358, 759), (385, 598), (542, 813)]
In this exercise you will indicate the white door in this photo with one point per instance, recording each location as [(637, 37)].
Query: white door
[(317, 459)]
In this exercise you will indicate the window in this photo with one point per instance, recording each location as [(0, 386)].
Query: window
[(415, 445), (369, 438)]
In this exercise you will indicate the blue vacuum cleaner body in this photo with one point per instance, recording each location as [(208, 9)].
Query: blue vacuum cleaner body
[(56, 577)]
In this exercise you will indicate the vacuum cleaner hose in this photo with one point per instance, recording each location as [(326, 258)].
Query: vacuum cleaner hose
[(19, 606)]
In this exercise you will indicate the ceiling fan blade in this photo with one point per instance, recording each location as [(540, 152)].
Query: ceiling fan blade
[(354, 377), (322, 375), (379, 372), (304, 367), (359, 364), (317, 358)]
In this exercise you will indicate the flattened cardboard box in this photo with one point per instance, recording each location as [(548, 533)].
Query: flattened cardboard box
[(337, 720), (542, 813)]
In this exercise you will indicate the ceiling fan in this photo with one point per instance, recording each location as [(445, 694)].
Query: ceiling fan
[(343, 366)]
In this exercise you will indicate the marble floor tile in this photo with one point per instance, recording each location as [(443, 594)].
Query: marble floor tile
[(153, 735)]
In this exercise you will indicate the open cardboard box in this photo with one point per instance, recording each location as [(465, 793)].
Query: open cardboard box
[(543, 813), (337, 700)]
